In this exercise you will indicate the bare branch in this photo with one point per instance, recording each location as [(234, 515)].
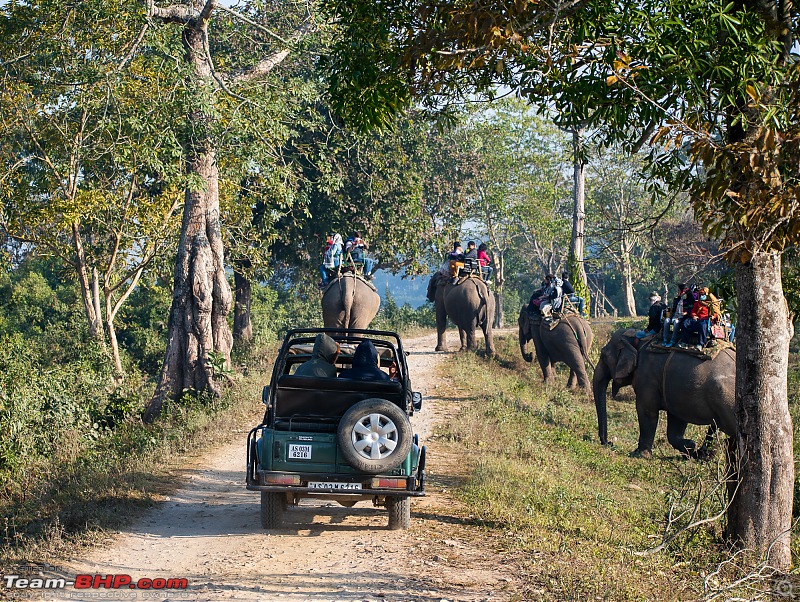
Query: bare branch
[(263, 67), (135, 46), (174, 13), (276, 58), (240, 16)]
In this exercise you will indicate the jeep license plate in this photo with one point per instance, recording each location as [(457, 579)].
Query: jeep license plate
[(299, 452), (329, 485)]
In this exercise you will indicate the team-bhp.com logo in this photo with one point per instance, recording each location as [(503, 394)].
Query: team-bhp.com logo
[(92, 582)]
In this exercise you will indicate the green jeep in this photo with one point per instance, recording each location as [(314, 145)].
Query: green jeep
[(337, 438)]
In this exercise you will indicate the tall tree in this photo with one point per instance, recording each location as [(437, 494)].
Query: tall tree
[(577, 247), (202, 296), (82, 175), (625, 213), (520, 187), (405, 189), (723, 92)]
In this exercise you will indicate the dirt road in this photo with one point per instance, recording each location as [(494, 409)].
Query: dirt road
[(209, 533)]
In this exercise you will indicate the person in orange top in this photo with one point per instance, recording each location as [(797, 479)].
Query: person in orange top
[(697, 321)]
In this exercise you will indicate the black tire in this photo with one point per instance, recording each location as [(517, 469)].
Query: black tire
[(272, 508), (399, 512), (365, 420)]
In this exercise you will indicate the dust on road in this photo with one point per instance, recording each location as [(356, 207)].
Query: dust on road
[(208, 532)]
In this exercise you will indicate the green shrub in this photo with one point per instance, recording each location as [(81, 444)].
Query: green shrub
[(401, 318)]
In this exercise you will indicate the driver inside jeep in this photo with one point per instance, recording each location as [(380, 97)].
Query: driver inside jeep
[(323, 358), (365, 364)]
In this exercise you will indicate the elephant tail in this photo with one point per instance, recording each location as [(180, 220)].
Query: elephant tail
[(580, 338), (348, 299)]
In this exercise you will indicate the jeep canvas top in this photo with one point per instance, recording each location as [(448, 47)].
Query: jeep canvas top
[(337, 438)]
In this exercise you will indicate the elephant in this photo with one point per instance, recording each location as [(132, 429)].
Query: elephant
[(349, 301), (569, 342), (470, 305), (689, 388)]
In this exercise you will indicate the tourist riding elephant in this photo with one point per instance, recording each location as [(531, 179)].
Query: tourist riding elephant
[(470, 305), (349, 301), (690, 389), (569, 342)]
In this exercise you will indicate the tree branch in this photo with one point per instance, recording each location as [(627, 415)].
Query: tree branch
[(174, 13), (276, 58), (205, 14), (135, 46), (253, 23)]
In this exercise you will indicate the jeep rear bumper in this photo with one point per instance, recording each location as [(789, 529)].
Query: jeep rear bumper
[(414, 486)]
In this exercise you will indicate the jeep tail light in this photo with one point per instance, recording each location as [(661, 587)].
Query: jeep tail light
[(389, 483), (282, 479)]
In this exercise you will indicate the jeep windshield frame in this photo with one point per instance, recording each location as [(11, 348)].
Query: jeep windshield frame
[(384, 340)]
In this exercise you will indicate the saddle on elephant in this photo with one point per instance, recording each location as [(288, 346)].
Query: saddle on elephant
[(653, 343), (439, 278), (345, 273)]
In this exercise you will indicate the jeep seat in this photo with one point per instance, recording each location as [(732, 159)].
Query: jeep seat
[(330, 397)]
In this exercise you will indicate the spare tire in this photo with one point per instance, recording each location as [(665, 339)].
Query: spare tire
[(374, 436)]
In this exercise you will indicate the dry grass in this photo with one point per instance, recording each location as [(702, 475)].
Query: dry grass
[(574, 511)]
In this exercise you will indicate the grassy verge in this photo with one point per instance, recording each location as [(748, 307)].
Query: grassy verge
[(579, 515), (73, 497)]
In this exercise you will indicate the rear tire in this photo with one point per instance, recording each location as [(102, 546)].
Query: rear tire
[(399, 512), (272, 507), (374, 436)]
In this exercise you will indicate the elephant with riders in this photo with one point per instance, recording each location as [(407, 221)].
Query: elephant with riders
[(469, 303), (691, 387)]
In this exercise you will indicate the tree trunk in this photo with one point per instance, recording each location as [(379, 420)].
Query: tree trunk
[(499, 281), (112, 337), (760, 512), (202, 296), (499, 314), (576, 249), (89, 290), (627, 277), (242, 326)]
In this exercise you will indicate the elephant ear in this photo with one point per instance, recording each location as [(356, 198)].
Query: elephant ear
[(626, 359), (524, 320)]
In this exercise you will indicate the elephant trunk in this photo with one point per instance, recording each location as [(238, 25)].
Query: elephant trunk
[(524, 339), (602, 376)]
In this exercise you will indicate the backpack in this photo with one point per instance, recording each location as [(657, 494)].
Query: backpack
[(714, 308), (329, 258)]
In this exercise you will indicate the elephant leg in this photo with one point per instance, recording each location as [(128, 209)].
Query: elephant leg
[(676, 429), (462, 334), (573, 379), (707, 451), (488, 337), (583, 378), (648, 423), (547, 369), (441, 327), (472, 344)]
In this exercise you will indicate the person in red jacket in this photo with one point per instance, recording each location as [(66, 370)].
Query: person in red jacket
[(485, 261), (697, 321)]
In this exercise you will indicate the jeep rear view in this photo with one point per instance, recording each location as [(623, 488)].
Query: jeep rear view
[(337, 438)]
